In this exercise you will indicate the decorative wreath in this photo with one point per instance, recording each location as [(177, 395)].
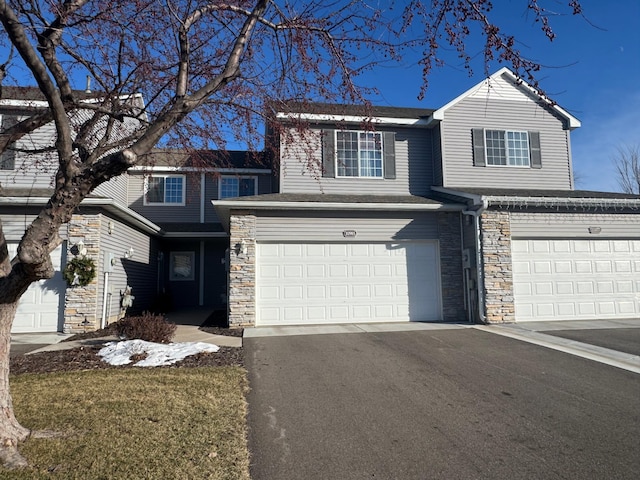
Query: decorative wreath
[(79, 271)]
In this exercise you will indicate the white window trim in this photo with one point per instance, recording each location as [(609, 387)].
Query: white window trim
[(164, 204), (336, 165), (486, 153), (239, 177)]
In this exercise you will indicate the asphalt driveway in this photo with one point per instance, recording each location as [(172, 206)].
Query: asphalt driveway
[(458, 403)]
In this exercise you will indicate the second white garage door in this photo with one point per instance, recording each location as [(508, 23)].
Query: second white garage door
[(309, 283), (576, 279), (41, 307)]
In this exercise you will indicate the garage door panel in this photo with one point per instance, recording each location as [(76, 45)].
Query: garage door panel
[(348, 283), (594, 279), (40, 308)]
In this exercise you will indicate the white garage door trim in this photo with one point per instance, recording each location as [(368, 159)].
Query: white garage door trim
[(322, 283), (576, 279), (41, 308)]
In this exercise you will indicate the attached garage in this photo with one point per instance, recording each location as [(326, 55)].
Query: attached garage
[(42, 305), (576, 279), (340, 282)]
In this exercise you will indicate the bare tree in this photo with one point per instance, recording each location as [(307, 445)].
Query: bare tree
[(206, 70), (627, 162)]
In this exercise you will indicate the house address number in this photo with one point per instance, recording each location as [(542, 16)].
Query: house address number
[(349, 233)]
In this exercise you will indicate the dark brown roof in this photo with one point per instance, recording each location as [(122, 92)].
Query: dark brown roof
[(185, 227), (334, 198), (35, 94), (519, 192), (163, 157), (356, 110)]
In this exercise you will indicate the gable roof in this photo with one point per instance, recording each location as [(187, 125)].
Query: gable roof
[(571, 121)]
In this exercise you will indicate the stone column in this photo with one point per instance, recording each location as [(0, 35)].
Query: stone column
[(242, 269), (498, 274), (81, 303), (450, 239)]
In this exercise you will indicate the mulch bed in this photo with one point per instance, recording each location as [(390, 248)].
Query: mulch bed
[(86, 358)]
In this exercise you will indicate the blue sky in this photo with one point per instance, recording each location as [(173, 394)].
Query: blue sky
[(591, 70)]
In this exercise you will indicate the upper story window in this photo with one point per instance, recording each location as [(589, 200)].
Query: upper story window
[(359, 154), (510, 148), (231, 187), (505, 147), (8, 157), (164, 190)]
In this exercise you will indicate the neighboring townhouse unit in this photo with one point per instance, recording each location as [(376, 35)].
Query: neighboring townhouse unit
[(466, 212), (153, 229)]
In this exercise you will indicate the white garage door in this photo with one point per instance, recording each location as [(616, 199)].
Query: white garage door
[(308, 283), (576, 279), (40, 308)]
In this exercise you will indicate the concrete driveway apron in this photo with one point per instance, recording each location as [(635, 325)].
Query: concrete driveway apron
[(441, 402)]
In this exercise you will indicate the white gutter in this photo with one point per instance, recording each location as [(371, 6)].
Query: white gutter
[(107, 203), (325, 117)]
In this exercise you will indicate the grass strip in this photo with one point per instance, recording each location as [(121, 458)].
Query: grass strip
[(181, 423)]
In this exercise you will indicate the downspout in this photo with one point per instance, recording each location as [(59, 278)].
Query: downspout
[(103, 321), (476, 214)]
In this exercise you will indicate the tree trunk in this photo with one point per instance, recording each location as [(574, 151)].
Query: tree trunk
[(11, 432)]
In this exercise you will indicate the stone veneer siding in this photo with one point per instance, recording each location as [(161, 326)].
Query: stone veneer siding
[(242, 270), (81, 303), (498, 274), (450, 239)]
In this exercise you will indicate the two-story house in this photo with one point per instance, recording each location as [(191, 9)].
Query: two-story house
[(152, 233), (467, 211)]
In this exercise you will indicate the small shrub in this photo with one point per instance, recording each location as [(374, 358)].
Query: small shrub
[(149, 327)]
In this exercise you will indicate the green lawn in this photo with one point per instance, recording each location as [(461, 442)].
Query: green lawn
[(162, 423)]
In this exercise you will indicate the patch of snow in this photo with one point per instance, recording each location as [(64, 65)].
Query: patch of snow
[(158, 354)]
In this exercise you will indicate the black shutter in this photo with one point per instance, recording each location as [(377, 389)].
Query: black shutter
[(328, 154), (389, 152), (477, 135), (534, 146), (8, 157)]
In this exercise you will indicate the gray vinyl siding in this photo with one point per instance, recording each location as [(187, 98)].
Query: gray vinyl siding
[(116, 188), (14, 226), (33, 171), (501, 114), (301, 170), (190, 212), (574, 225), (139, 271), (329, 227)]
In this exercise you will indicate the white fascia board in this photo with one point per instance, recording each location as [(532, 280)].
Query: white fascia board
[(257, 205), (322, 117), (438, 115), (173, 169), (106, 203)]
